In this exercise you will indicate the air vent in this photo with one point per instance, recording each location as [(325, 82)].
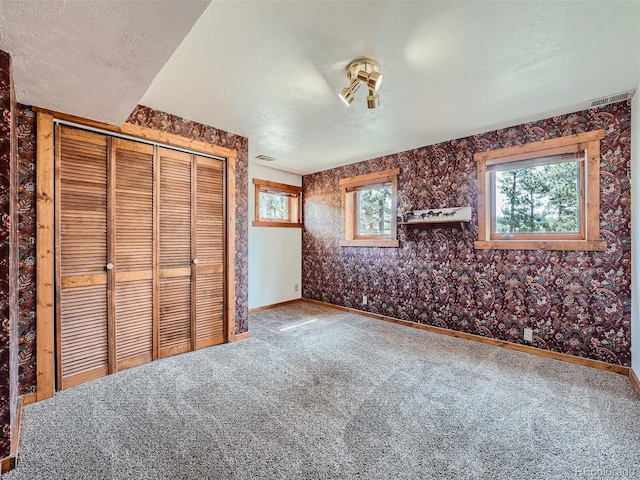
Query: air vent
[(265, 158), (616, 97)]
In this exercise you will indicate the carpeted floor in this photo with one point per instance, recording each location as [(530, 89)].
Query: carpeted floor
[(322, 394)]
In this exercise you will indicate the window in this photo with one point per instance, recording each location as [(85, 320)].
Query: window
[(543, 195), (277, 204), (369, 210)]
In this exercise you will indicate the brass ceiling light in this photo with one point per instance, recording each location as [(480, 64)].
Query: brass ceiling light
[(373, 99), (349, 92), (367, 71)]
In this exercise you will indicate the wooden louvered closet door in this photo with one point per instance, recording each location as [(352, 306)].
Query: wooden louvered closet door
[(174, 335), (139, 255), (134, 247), (81, 257), (209, 251), (191, 252)]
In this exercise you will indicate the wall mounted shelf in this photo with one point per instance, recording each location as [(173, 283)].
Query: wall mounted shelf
[(437, 218), (440, 224)]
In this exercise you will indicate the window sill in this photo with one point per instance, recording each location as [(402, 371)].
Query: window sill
[(594, 245), (370, 243), (257, 223)]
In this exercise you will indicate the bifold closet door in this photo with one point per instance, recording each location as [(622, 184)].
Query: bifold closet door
[(139, 253), (134, 252), (175, 257), (81, 256), (209, 252)]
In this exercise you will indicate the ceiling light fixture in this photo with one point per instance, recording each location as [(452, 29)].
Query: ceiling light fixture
[(349, 92), (367, 71), (373, 99)]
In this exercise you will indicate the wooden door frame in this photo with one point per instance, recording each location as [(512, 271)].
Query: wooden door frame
[(45, 233)]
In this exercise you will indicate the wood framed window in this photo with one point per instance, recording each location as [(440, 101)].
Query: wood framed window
[(369, 209), (541, 196), (277, 204)]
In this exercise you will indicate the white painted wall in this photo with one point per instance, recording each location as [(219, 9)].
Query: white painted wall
[(635, 232), (275, 253)]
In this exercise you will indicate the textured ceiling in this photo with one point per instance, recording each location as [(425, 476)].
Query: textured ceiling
[(93, 59), (271, 70)]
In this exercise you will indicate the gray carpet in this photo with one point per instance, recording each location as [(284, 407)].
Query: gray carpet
[(338, 396)]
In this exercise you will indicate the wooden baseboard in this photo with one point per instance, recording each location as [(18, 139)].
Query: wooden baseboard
[(634, 380), (29, 398), (9, 463), (274, 305), (240, 336), (489, 341)]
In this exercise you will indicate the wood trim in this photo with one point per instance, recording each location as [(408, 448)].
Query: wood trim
[(274, 305), (194, 250), (274, 223), (542, 145), (593, 192), (369, 243), (369, 179), (45, 257), (634, 380), (548, 152), (9, 463), (145, 134), (587, 362), (58, 256), (111, 257), (231, 248), (277, 187), (240, 336), (29, 398), (349, 215), (156, 255), (597, 245), (394, 207)]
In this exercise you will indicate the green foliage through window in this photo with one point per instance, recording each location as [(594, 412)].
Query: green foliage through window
[(542, 198), (373, 210), (274, 206)]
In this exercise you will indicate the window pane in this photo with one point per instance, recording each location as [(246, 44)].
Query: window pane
[(274, 206), (537, 199), (373, 210)]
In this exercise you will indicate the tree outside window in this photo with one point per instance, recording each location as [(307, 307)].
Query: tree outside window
[(277, 204), (369, 209), (538, 199), (542, 195), (374, 210)]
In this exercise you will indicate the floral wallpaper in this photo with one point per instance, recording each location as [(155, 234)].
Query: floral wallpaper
[(578, 303), (148, 117), (26, 133), (8, 262)]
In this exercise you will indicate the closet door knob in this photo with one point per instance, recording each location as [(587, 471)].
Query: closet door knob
[(195, 261), (109, 266)]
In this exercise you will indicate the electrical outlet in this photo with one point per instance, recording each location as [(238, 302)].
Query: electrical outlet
[(364, 299), (528, 335), (295, 288)]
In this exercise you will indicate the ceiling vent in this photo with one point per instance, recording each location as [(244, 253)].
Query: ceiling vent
[(616, 97), (265, 158)]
